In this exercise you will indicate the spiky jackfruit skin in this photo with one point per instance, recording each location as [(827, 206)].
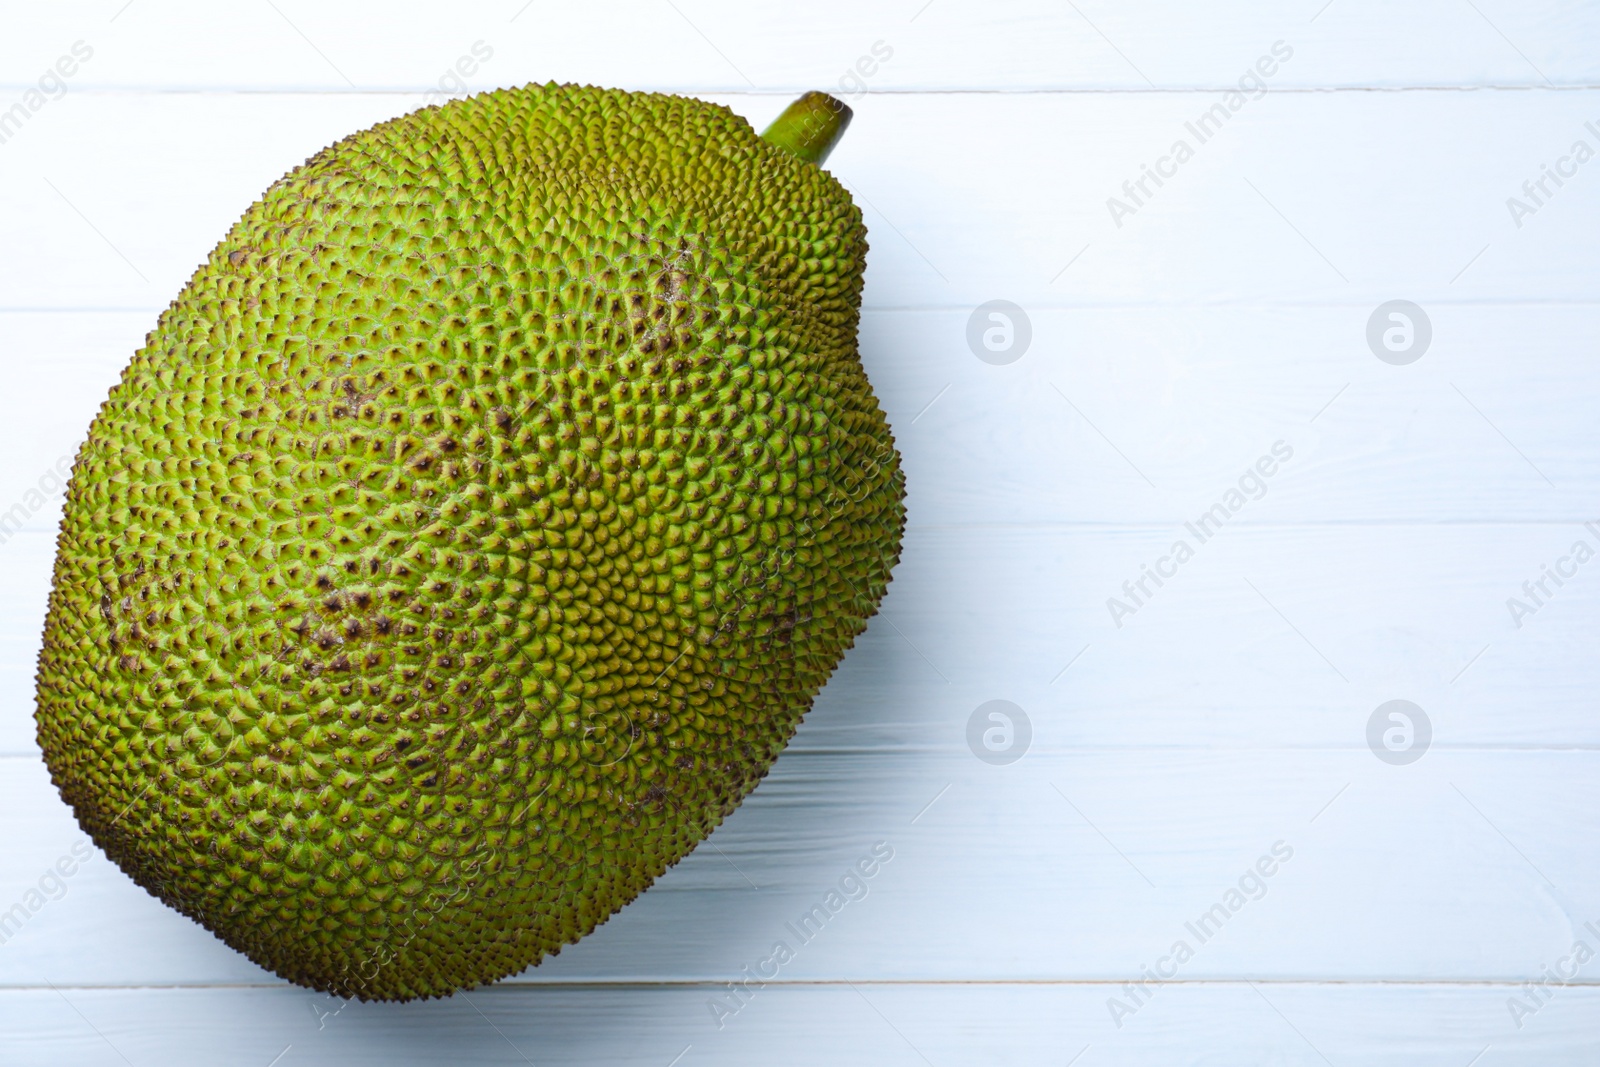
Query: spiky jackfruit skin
[(470, 535)]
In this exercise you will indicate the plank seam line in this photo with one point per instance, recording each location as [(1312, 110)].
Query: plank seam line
[(786, 91), (964, 308), (898, 749), (799, 983)]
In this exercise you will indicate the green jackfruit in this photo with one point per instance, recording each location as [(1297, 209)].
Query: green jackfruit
[(472, 533)]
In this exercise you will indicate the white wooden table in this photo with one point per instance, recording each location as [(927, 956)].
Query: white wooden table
[(1175, 339)]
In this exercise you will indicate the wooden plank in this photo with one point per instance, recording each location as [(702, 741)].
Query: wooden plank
[(1072, 864), (1294, 200), (1113, 415), (1285, 1025), (1271, 635), (719, 45), (973, 614)]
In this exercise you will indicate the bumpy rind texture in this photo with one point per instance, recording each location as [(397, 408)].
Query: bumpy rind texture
[(470, 535)]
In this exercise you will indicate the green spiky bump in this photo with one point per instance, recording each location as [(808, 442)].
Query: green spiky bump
[(470, 535)]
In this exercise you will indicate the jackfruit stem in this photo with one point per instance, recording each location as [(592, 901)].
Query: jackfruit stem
[(810, 126)]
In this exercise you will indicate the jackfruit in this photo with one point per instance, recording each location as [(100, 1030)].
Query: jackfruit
[(472, 532)]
